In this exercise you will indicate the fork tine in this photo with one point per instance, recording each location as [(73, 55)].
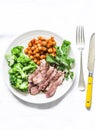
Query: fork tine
[(81, 34), (83, 38), (77, 34)]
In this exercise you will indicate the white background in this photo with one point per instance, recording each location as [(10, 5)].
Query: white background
[(61, 17)]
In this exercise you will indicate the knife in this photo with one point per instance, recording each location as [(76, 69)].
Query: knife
[(91, 59)]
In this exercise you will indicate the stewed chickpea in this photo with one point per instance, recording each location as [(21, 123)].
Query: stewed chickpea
[(26, 51), (50, 50), (39, 47)]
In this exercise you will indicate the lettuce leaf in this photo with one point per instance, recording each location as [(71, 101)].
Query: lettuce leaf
[(62, 61)]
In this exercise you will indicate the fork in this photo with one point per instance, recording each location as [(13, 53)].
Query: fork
[(80, 41)]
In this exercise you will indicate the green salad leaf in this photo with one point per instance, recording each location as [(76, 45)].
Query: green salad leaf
[(62, 61)]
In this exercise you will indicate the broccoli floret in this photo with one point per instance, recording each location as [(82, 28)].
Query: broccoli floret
[(19, 76), (14, 69), (13, 80), (18, 83), (31, 67), (23, 59), (18, 68), (17, 71), (18, 64), (11, 71), (17, 50), (10, 59), (24, 86)]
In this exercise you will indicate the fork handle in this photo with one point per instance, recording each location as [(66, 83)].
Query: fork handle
[(81, 84)]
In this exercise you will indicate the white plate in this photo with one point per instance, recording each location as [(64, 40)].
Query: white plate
[(40, 98)]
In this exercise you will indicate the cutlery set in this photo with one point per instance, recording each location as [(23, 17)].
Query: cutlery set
[(80, 40)]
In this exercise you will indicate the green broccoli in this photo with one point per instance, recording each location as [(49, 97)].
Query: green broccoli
[(24, 86), (17, 50), (17, 70), (20, 66), (31, 67), (13, 80), (18, 83), (23, 59), (10, 59)]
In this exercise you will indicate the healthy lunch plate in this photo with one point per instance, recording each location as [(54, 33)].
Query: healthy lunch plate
[(39, 66)]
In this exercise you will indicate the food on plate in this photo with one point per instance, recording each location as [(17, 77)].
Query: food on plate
[(39, 47), (41, 67), (45, 79), (20, 66)]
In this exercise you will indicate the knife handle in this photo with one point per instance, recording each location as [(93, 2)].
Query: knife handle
[(89, 92)]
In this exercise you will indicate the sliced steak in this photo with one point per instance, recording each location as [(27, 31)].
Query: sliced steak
[(30, 85), (43, 65), (49, 78), (38, 78), (58, 74), (30, 77), (46, 78), (39, 75), (34, 90), (48, 74), (54, 86)]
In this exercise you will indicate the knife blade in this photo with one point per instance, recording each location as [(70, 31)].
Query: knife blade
[(91, 59)]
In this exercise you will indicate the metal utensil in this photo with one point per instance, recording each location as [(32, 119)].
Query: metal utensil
[(80, 41), (91, 59)]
